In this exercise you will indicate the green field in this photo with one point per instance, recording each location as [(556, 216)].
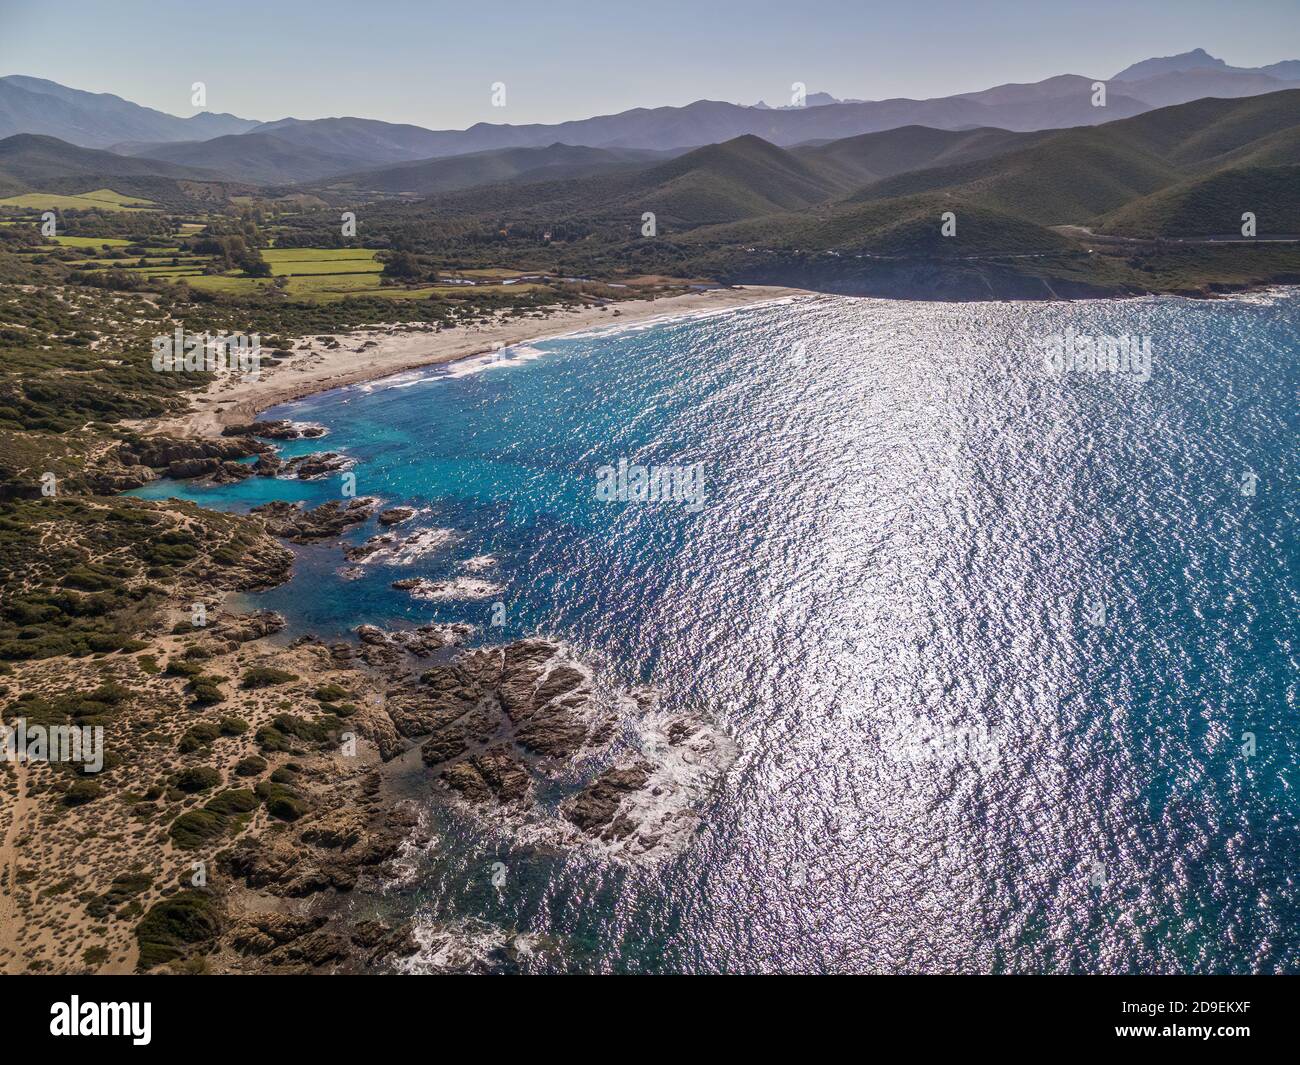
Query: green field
[(102, 199), (92, 242), (297, 262), (315, 275)]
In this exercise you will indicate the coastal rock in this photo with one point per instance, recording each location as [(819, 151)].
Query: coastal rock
[(331, 852), (183, 469), (164, 453), (371, 634), (264, 932), (337, 829), (384, 649), (316, 465), (291, 522), (376, 726), (314, 949), (268, 465), (360, 552), (596, 810), (243, 628), (458, 588), (426, 639), (122, 479), (525, 699), (546, 699), (278, 429), (386, 943), (394, 515), (495, 774), (230, 472)]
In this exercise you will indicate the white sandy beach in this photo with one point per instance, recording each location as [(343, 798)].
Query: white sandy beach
[(232, 401)]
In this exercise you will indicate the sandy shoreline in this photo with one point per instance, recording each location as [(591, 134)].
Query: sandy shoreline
[(230, 401)]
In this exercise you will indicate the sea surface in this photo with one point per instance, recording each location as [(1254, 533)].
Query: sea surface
[(1008, 654)]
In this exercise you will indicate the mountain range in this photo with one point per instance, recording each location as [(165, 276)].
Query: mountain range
[(293, 150)]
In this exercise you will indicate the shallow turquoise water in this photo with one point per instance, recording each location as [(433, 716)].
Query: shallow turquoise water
[(910, 528)]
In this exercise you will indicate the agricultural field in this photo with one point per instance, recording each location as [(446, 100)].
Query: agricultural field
[(301, 262), (99, 199), (318, 275), (91, 242)]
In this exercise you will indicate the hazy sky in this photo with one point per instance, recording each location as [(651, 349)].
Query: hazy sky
[(434, 63)]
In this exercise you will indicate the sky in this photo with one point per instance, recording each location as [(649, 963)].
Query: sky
[(434, 64)]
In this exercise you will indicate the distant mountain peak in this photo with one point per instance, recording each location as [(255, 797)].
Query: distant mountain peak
[(1196, 59)]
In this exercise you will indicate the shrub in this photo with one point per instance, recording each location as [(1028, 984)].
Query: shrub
[(197, 736), (232, 803), (82, 792), (204, 691), (251, 766), (189, 920), (95, 955), (121, 890), (266, 677), (199, 778), (195, 827), (282, 802)]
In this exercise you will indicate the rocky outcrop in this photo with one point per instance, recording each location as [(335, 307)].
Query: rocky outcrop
[(268, 465), (278, 429), (291, 522), (596, 810), (111, 480), (229, 472), (380, 648), (457, 588), (394, 515), (329, 851), (316, 465), (497, 774), (203, 456), (243, 628), (263, 932)]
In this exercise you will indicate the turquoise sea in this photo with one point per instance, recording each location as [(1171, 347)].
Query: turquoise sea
[(1008, 654)]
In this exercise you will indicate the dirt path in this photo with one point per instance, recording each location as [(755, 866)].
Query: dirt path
[(9, 915)]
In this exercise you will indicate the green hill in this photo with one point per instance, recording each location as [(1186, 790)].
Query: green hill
[(1213, 206), (35, 160), (875, 156), (1076, 175), (910, 227), (37, 164), (426, 177), (741, 178), (1068, 178), (738, 179), (254, 158)]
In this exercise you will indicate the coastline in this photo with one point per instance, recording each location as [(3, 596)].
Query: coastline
[(368, 354)]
